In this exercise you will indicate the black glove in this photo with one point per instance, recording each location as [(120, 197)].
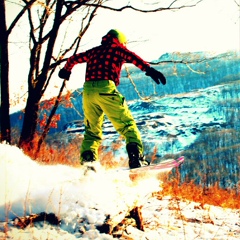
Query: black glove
[(64, 74), (156, 75)]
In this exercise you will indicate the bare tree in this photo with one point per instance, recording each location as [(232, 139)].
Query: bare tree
[(42, 44), (4, 68)]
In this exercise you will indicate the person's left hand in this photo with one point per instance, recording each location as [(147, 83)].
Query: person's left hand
[(64, 74), (156, 75)]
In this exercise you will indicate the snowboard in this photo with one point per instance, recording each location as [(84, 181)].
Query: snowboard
[(164, 166), (158, 170)]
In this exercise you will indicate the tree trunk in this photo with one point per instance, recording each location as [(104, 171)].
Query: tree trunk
[(36, 86), (30, 121), (4, 78)]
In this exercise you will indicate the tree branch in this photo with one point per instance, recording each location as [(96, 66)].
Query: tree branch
[(134, 85), (47, 127), (170, 7), (77, 39), (187, 62), (238, 3), (20, 14)]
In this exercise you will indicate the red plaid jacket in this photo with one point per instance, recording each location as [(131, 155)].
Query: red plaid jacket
[(105, 61)]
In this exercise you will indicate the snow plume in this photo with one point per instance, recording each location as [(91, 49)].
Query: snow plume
[(77, 197)]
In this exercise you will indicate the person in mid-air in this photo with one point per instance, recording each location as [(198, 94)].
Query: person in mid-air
[(100, 95)]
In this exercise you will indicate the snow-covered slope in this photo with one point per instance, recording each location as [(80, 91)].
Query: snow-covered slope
[(85, 202)]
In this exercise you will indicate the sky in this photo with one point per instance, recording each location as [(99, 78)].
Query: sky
[(213, 25)]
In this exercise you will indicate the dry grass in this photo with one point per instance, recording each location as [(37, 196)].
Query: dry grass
[(214, 195), (57, 150)]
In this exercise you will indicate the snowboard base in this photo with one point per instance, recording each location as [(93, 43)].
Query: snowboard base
[(163, 166), (158, 171)]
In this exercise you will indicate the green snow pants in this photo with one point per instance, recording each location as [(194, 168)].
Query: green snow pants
[(99, 98)]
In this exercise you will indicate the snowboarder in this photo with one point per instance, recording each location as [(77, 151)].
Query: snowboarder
[(100, 95)]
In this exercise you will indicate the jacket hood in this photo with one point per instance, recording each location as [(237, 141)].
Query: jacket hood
[(114, 36)]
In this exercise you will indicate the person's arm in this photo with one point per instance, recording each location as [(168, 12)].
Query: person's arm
[(65, 72), (131, 57)]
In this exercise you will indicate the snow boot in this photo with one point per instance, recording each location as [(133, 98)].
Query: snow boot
[(136, 159), (87, 156), (88, 160)]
